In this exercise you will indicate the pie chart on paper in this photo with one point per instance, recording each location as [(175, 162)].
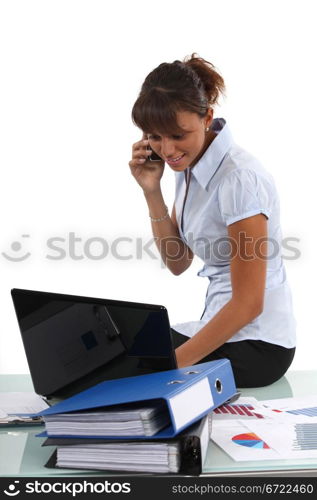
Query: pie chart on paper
[(250, 440)]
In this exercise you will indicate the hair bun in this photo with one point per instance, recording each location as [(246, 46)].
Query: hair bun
[(212, 81)]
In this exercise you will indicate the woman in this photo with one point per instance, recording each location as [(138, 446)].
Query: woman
[(226, 212)]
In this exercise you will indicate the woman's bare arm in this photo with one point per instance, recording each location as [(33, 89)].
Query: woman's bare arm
[(176, 255), (248, 276)]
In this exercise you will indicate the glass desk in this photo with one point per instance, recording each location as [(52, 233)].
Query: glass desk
[(21, 453)]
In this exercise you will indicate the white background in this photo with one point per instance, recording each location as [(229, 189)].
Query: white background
[(70, 73)]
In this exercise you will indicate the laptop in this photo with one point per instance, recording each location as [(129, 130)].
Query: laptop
[(73, 342)]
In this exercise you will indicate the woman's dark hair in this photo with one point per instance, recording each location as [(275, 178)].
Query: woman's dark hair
[(190, 85)]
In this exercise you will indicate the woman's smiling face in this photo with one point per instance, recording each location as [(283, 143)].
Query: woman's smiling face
[(184, 148)]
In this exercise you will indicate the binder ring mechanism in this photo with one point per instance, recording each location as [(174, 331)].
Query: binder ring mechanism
[(192, 372), (175, 382)]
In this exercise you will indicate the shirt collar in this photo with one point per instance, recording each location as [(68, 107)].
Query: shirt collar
[(208, 164)]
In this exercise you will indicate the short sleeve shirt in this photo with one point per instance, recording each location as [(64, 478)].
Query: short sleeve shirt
[(227, 185)]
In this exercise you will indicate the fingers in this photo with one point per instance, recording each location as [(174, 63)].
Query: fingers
[(140, 152), (140, 145), (137, 163)]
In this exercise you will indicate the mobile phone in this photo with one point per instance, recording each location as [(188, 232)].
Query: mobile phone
[(154, 157)]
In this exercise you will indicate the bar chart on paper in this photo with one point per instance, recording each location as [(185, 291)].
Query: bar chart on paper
[(295, 407), (237, 411), (308, 412), (306, 437)]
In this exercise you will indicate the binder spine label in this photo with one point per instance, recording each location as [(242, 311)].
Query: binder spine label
[(191, 403)]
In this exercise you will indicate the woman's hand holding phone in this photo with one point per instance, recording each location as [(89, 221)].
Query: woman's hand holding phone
[(147, 172)]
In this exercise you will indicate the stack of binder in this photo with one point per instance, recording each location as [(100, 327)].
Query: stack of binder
[(154, 423)]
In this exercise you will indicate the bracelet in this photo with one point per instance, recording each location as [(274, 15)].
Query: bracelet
[(160, 219)]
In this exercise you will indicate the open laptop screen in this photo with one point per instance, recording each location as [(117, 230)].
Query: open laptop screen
[(73, 342)]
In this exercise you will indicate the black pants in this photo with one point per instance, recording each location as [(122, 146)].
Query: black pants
[(254, 363)]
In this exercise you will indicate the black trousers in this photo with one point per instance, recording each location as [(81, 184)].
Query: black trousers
[(254, 363)]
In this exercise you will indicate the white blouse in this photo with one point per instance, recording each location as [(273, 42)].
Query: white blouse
[(227, 185)]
